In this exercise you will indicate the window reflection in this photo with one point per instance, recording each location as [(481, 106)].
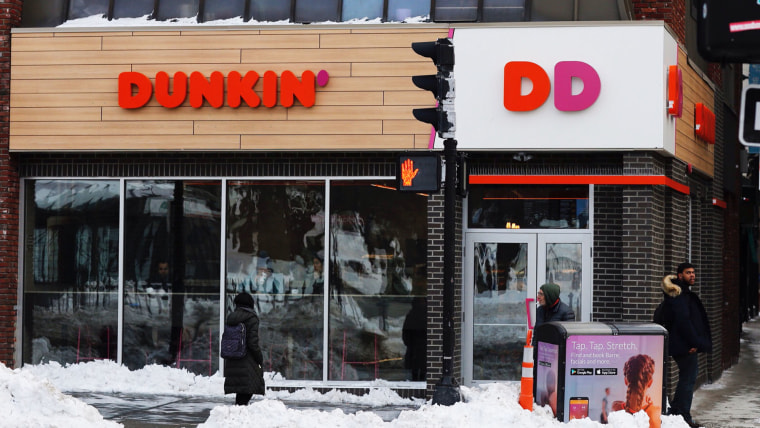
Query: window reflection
[(168, 9), (70, 270), (456, 10), (275, 251), (503, 10), (552, 10), (563, 267), (270, 10), (223, 9), (598, 10), (400, 10), (85, 8), (359, 9), (317, 10), (44, 13), (132, 8), (373, 280), (378, 245), (528, 207), (171, 274), (499, 311)]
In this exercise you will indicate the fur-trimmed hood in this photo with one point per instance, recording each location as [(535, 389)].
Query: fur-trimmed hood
[(670, 288)]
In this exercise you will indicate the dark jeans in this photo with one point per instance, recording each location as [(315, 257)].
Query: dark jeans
[(242, 399), (688, 366)]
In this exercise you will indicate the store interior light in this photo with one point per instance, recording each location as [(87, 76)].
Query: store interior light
[(383, 187)]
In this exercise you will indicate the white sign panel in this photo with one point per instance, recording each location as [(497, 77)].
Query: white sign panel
[(749, 117), (564, 87)]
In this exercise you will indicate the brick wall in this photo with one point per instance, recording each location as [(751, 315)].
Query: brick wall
[(10, 16), (608, 221), (643, 239), (435, 293), (672, 12)]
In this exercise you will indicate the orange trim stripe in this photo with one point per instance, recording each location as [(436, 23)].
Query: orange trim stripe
[(718, 203), (651, 180)]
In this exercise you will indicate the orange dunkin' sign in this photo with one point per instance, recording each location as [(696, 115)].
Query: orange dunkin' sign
[(136, 89)]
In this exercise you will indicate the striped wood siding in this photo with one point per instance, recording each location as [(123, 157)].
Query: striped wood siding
[(64, 89), (689, 148)]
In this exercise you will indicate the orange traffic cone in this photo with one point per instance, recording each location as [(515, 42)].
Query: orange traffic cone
[(526, 384)]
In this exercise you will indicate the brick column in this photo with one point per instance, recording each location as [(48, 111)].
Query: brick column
[(644, 229), (10, 16), (435, 294)]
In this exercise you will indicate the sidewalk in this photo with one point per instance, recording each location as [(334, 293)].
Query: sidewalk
[(733, 401), (152, 411)]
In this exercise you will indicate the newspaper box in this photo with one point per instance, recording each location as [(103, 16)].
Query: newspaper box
[(585, 369)]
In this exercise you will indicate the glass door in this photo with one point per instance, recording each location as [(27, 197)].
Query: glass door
[(500, 274), (565, 259)]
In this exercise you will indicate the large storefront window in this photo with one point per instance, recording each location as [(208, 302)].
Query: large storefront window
[(70, 270), (171, 274), (377, 324), (528, 207), (349, 255), (275, 251)]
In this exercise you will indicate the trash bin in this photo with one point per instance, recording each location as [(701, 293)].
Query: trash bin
[(579, 368)]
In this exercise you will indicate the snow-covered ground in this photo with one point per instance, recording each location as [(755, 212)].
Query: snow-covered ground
[(32, 397)]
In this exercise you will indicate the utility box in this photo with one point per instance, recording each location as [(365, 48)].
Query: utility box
[(581, 368)]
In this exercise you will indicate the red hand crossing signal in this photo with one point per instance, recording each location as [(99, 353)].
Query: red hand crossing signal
[(419, 172)]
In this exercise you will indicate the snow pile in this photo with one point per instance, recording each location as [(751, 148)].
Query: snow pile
[(31, 397), (102, 21), (28, 401)]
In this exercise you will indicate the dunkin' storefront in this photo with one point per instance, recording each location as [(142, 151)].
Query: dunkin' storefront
[(165, 170)]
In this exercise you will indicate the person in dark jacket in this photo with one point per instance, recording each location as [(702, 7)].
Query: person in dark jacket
[(551, 308), (244, 377), (688, 335), (414, 335)]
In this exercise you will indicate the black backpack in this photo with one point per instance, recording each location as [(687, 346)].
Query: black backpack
[(233, 342)]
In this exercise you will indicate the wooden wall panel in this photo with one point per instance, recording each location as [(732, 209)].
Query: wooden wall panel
[(61, 86), (689, 148), (127, 142), (327, 142), (103, 128), (64, 87), (204, 41)]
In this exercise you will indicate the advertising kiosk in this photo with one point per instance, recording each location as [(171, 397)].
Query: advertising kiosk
[(592, 369)]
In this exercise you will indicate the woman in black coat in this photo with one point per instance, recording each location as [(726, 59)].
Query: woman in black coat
[(244, 377)]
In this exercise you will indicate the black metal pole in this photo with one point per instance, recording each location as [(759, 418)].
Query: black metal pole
[(447, 389)]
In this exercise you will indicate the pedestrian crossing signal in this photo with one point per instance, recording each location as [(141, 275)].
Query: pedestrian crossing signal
[(419, 172)]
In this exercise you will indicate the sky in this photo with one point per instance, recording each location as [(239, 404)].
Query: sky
[(37, 396)]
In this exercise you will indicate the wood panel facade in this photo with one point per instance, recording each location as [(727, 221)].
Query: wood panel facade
[(64, 87), (695, 151)]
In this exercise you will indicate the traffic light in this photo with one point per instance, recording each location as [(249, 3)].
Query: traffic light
[(419, 172), (729, 31), (441, 84)]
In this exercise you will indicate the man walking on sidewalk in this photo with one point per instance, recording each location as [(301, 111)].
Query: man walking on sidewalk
[(689, 334)]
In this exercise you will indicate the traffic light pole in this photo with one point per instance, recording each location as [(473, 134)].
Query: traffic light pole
[(447, 389)]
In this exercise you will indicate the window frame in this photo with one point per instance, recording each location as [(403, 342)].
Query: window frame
[(224, 180)]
